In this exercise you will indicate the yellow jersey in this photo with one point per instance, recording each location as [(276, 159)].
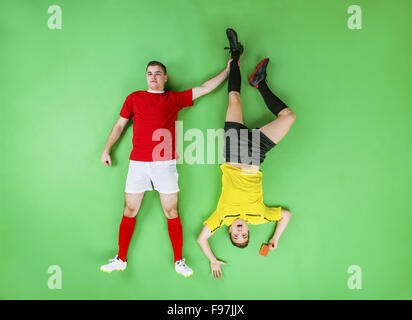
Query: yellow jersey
[(241, 198)]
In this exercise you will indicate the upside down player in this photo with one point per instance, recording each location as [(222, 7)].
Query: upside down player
[(241, 200), (152, 110)]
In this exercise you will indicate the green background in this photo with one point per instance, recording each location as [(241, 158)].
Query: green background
[(344, 170)]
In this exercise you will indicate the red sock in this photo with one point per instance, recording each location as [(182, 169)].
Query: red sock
[(174, 227), (125, 235)]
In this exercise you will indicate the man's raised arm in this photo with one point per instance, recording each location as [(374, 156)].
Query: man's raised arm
[(211, 84), (203, 242)]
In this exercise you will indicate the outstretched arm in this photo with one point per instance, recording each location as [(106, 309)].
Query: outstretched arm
[(211, 84), (203, 242), (280, 227)]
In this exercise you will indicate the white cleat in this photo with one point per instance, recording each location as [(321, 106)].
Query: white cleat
[(182, 268), (115, 265)]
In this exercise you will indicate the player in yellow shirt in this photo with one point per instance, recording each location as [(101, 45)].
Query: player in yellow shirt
[(241, 200)]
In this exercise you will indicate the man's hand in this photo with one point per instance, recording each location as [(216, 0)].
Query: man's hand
[(228, 64), (106, 160), (273, 244), (203, 242), (215, 267)]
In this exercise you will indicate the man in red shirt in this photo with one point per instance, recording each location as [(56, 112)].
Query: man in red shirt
[(153, 159)]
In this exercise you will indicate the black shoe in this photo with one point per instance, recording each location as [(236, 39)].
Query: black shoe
[(235, 46), (260, 73)]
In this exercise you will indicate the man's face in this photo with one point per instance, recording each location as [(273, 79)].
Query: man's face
[(239, 231), (156, 78)]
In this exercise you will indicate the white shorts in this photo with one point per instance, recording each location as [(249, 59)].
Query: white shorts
[(142, 174)]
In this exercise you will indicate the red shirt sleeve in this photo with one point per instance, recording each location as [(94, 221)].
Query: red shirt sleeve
[(184, 99), (127, 109)]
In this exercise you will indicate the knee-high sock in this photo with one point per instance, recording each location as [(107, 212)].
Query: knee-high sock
[(272, 102), (234, 74), (174, 227), (125, 235)]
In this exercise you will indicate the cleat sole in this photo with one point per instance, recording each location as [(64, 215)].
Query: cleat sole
[(112, 270), (105, 271), (187, 275)]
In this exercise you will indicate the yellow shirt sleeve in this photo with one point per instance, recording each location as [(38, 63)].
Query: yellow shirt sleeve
[(214, 222), (272, 214)]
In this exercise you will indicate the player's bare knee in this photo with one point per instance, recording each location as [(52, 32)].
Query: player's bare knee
[(171, 213), (287, 112), (130, 211), (234, 98), (234, 95)]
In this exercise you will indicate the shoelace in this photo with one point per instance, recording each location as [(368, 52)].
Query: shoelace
[(230, 48), (182, 262), (184, 265), (238, 48)]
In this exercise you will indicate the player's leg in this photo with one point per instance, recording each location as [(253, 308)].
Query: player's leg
[(132, 203), (131, 208), (169, 205), (174, 227), (278, 128), (234, 119), (137, 182), (165, 180), (234, 110)]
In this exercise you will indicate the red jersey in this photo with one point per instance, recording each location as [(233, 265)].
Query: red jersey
[(152, 111)]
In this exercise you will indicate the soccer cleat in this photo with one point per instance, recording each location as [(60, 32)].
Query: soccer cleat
[(182, 268), (260, 73), (235, 46), (115, 265)]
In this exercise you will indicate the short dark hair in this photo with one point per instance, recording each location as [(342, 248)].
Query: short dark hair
[(240, 245), (157, 63)]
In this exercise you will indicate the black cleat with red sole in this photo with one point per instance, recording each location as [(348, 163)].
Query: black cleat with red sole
[(260, 73)]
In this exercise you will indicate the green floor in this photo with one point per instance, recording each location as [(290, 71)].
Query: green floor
[(344, 170)]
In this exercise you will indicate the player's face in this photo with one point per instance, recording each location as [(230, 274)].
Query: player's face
[(156, 78), (239, 231)]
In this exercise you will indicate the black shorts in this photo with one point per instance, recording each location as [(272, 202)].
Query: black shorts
[(245, 146)]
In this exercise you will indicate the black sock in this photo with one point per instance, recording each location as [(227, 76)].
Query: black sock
[(272, 102), (234, 75), (235, 55)]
